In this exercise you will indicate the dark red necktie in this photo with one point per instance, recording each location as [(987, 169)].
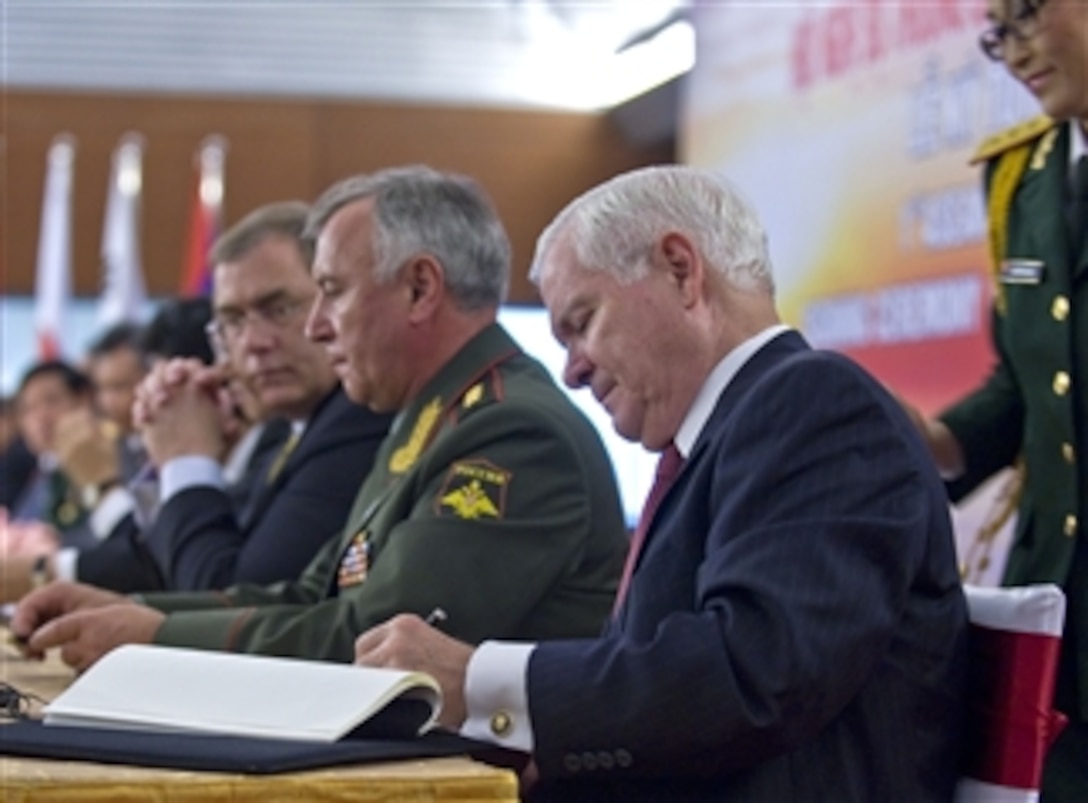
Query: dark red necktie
[(668, 466)]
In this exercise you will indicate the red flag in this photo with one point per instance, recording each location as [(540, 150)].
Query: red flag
[(205, 219), (124, 295), (53, 280)]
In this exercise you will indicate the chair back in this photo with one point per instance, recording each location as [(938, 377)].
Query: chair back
[(1014, 644)]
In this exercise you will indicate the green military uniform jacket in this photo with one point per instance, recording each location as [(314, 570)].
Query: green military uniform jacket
[(1035, 402), (492, 498)]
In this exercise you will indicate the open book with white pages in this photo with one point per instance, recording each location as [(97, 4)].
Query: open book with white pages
[(169, 689)]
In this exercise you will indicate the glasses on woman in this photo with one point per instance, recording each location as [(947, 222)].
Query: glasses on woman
[(1023, 25)]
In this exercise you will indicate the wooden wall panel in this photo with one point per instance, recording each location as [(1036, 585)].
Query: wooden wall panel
[(530, 162)]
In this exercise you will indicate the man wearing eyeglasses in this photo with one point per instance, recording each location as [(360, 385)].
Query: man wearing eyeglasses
[(492, 505), (203, 537), (1034, 406), (262, 289)]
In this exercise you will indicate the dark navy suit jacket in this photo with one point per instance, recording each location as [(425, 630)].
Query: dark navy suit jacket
[(200, 542), (121, 561), (795, 628)]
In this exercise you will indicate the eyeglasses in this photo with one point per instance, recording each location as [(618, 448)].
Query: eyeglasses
[(227, 326), (15, 704), (1023, 25)]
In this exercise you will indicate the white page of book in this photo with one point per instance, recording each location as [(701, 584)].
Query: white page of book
[(169, 688)]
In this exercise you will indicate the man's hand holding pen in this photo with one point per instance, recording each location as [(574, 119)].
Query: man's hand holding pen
[(410, 642)]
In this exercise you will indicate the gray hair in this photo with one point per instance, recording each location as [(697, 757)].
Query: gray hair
[(614, 226), (285, 218), (420, 210)]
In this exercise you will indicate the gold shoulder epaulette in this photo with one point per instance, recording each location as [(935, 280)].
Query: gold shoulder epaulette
[(1011, 137)]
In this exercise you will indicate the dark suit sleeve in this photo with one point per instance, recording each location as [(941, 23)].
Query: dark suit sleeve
[(799, 532), (121, 562), (198, 539)]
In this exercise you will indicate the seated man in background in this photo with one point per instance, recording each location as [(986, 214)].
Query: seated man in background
[(115, 364), (47, 393), (492, 499), (201, 537), (16, 460), (262, 290), (793, 628), (86, 448)]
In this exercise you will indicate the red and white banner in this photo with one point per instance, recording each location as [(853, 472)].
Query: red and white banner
[(1015, 642), (53, 278), (124, 295)]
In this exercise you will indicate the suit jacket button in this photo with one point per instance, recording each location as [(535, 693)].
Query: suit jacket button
[(1070, 528), (1061, 383), (589, 761), (605, 760), (623, 758), (572, 763), (1059, 309)]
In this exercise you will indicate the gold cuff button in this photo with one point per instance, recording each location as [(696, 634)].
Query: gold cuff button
[(501, 723), (1070, 528), (1059, 309), (1061, 383), (1068, 453)]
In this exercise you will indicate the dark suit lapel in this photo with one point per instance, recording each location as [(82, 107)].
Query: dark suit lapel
[(259, 493), (772, 353), (785, 345), (264, 491)]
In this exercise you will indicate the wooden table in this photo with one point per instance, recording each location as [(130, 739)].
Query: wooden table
[(23, 780)]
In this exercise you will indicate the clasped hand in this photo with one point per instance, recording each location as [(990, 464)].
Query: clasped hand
[(180, 410)]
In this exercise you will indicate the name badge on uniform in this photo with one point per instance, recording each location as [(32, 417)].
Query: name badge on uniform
[(1022, 271)]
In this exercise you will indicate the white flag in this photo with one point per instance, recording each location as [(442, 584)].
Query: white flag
[(53, 281), (124, 295)]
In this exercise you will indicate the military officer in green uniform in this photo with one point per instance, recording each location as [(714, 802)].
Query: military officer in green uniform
[(492, 499), (1034, 406)]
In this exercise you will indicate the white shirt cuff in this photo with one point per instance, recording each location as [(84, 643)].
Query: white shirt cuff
[(192, 471), (113, 507), (64, 563), (496, 698)]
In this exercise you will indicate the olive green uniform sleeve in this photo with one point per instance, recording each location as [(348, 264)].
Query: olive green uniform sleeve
[(506, 516)]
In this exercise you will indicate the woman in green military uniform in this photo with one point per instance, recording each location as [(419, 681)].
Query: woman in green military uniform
[(1034, 406)]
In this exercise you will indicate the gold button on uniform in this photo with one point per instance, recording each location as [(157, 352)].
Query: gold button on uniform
[(1061, 383), (1070, 528), (1068, 453), (501, 723), (1059, 309)]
